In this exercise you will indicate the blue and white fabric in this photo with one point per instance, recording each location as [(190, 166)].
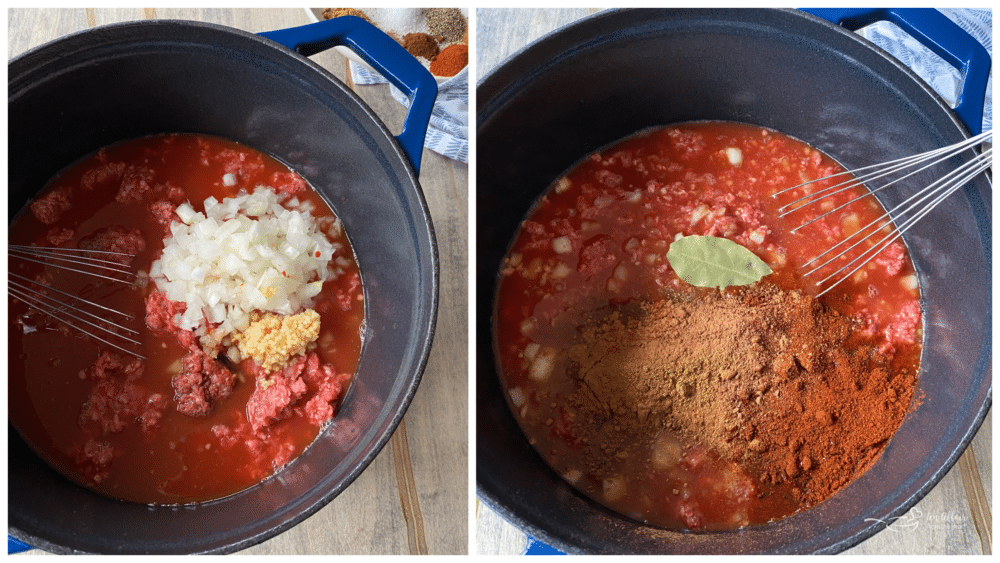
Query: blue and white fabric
[(942, 77), (448, 131)]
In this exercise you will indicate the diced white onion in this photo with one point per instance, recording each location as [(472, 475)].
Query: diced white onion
[(734, 155), (185, 212), (531, 350), (562, 185), (562, 245), (541, 367), (517, 397), (224, 264)]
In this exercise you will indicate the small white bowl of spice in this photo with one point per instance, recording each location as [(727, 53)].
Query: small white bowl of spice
[(437, 37)]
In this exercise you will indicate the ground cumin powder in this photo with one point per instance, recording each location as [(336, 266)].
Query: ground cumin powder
[(421, 45), (768, 378)]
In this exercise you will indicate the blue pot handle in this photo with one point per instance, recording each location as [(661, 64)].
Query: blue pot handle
[(939, 34), (386, 56), (16, 546)]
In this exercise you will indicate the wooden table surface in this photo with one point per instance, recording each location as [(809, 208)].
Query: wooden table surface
[(414, 497), (957, 512)]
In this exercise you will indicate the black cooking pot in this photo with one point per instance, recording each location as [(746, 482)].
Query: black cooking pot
[(617, 72), (72, 96)]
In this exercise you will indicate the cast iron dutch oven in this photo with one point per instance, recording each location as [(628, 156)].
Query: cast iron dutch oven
[(70, 97), (617, 72)]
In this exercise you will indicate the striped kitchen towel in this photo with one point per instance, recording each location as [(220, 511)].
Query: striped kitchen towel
[(942, 77), (448, 131)]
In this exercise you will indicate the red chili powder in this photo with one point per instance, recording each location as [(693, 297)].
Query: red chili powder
[(450, 60)]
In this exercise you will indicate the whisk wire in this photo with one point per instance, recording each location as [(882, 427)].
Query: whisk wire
[(78, 313), (950, 182), (920, 203), (881, 171), (954, 185), (70, 296), (63, 312), (59, 257)]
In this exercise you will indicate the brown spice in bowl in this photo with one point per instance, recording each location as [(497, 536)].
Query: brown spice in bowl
[(420, 44), (330, 13)]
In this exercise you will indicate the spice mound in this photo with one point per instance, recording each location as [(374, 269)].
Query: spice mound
[(421, 45), (448, 23), (437, 37), (451, 60), (769, 379), (330, 13)]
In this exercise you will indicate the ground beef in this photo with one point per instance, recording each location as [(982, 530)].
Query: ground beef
[(751, 215), (539, 237), (287, 183), (275, 394), (892, 258), (164, 211), (93, 459), (903, 328), (168, 191), (112, 405), (608, 178), (160, 313), (116, 239), (347, 295), (689, 143), (112, 365), (59, 237), (240, 164), (136, 183), (724, 226), (107, 172), (149, 420), (201, 383), (597, 255), (278, 394), (176, 194), (268, 455), (282, 454), (328, 385), (228, 437), (51, 206)]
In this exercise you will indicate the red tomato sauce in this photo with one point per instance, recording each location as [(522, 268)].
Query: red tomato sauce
[(109, 420), (599, 236)]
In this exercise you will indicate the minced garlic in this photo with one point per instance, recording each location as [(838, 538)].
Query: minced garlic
[(272, 340)]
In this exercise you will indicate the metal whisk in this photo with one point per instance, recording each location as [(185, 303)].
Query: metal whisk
[(92, 319), (913, 208)]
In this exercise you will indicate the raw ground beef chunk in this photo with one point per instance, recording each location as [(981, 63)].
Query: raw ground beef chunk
[(201, 383), (274, 395), (160, 313), (277, 394), (51, 206)]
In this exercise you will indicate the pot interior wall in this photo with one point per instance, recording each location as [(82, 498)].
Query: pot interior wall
[(93, 89), (606, 77)]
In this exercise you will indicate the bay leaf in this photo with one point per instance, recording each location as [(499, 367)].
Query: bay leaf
[(715, 262)]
